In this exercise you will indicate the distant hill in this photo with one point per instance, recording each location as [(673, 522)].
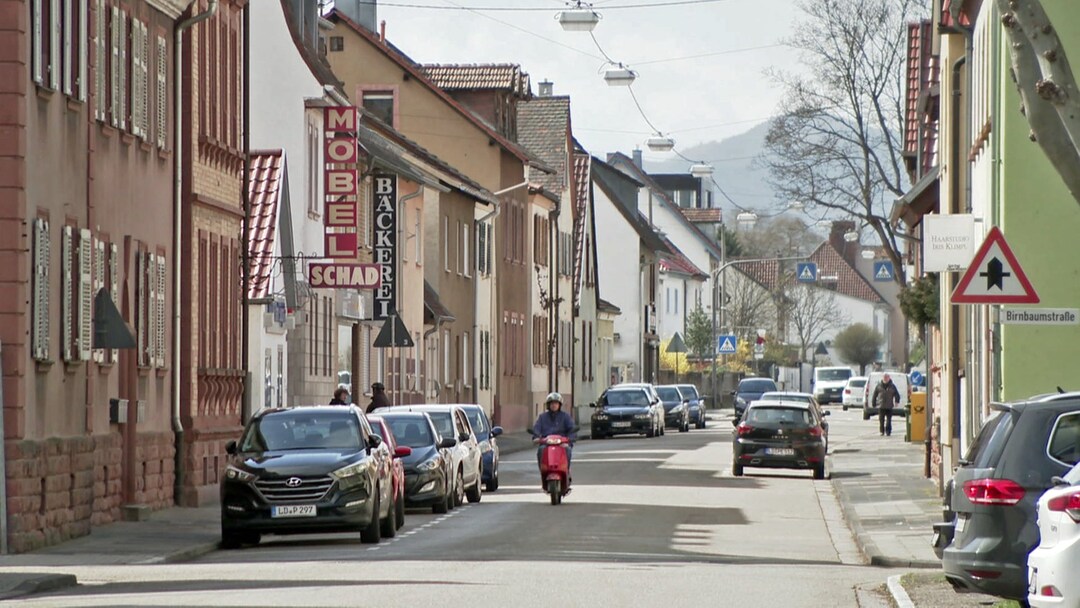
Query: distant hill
[(737, 169)]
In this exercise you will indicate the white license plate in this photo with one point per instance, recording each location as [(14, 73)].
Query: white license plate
[(293, 511), (780, 451), (1033, 585), (961, 522), (620, 425)]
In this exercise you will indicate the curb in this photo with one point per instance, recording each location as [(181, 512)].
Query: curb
[(40, 584), (186, 555), (900, 596)]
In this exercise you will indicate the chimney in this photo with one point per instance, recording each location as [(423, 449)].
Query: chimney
[(362, 12), (546, 88), (637, 159), (849, 250)]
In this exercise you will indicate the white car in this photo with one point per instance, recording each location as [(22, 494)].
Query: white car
[(1052, 565), (854, 393)]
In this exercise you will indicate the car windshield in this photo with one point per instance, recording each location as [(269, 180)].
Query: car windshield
[(476, 419), (627, 397), (787, 396), (778, 415), (668, 393), (302, 431), (833, 374), (759, 385), (443, 424), (412, 431), (857, 383)]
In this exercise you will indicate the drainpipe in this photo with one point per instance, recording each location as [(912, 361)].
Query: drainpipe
[(178, 146), (398, 278), (245, 196), (954, 309)]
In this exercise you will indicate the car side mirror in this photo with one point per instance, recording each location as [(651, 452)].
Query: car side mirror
[(496, 431), (734, 422), (374, 441), (230, 448), (402, 451), (826, 413), (449, 442), (463, 437), (733, 393), (592, 405)]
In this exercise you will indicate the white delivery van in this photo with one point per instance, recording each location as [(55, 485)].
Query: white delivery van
[(829, 383), (900, 379)]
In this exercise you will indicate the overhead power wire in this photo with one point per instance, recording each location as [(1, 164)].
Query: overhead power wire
[(526, 9), (514, 27)]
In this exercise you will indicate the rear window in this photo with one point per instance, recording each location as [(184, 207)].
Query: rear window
[(689, 390), (832, 375), (857, 383), (477, 421), (991, 440), (757, 385), (1065, 439), (412, 431), (778, 415), (627, 397), (669, 393), (443, 424)]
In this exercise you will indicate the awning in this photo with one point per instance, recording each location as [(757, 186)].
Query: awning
[(921, 199), (435, 311)]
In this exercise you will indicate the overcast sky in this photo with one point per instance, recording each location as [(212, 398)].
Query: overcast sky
[(694, 100)]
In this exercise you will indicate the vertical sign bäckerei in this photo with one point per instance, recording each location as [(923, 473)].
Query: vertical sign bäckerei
[(384, 227)]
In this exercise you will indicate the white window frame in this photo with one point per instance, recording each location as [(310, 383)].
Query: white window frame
[(446, 243), (416, 243), (465, 263), (114, 288), (466, 357), (40, 313), (99, 284), (445, 379), (114, 72), (37, 45), (84, 337), (101, 59), (162, 106), (67, 288), (159, 315), (55, 44), (67, 18)]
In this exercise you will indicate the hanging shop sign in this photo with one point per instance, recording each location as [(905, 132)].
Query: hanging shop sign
[(328, 275), (384, 224), (341, 151)]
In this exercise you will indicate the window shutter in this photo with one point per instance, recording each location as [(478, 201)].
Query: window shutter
[(114, 289), (144, 82), (55, 41), (84, 35), (41, 290), (67, 66), (148, 308), (162, 277), (99, 284), (162, 93), (122, 64), (140, 316), (85, 338), (67, 287), (114, 73), (100, 59), (38, 43), (136, 80)]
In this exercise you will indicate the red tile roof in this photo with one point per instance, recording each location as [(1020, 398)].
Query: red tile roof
[(267, 180), (678, 262), (478, 76), (848, 280), (921, 98), (580, 180), (702, 216)]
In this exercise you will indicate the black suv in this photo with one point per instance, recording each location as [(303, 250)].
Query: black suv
[(307, 470), (994, 492), (776, 434)]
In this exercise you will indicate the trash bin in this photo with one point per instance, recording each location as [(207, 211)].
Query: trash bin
[(916, 430)]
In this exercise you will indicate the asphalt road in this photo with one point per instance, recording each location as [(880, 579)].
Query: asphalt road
[(649, 522)]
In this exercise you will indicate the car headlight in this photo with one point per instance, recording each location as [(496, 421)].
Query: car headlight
[(430, 464), (600, 417), (678, 408), (740, 401), (642, 416), (236, 474)]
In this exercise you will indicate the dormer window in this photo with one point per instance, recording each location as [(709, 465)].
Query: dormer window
[(381, 104)]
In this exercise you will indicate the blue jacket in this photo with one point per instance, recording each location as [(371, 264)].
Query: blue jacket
[(555, 423)]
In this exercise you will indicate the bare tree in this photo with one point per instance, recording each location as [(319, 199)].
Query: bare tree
[(1047, 85), (837, 145), (748, 305), (812, 311), (779, 236)]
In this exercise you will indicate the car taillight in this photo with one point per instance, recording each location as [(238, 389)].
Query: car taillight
[(1068, 504), (815, 431), (744, 429), (1004, 492), (847, 391)]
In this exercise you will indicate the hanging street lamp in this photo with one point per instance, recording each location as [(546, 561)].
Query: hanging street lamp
[(660, 143), (579, 18), (701, 170), (619, 76)]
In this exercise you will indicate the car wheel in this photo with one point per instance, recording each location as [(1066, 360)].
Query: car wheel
[(594, 435), (372, 533), (459, 489), (651, 432), (685, 427), (399, 511), (701, 420), (388, 526), (475, 493), (493, 483), (865, 414), (845, 407), (819, 471), (736, 469), (443, 505), (230, 539)]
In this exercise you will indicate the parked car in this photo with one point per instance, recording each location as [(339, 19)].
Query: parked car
[(397, 468), (452, 423), (627, 409), (777, 434), (750, 389), (1052, 579), (829, 383), (900, 379), (697, 404), (428, 474), (854, 393), (1012, 462), (658, 407), (489, 446), (676, 407), (306, 470)]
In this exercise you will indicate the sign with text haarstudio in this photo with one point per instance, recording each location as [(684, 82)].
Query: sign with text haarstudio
[(948, 242), (384, 225), (341, 152)]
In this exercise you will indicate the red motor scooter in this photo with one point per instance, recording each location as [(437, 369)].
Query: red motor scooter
[(555, 467)]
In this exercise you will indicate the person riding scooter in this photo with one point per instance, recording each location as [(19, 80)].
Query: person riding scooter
[(554, 421)]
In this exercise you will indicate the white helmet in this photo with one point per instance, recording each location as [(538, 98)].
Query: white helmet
[(553, 397)]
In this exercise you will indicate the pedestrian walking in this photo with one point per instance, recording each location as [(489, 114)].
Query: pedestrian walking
[(886, 397), (341, 397), (378, 397)]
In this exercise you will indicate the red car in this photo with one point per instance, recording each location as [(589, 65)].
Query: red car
[(397, 469)]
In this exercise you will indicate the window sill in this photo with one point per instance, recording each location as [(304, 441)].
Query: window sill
[(108, 130), (74, 104), (104, 367), (161, 372), (43, 365), (44, 92), (145, 146), (164, 153), (70, 367), (127, 138)]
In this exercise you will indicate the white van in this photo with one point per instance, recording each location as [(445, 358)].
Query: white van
[(829, 383), (900, 379)]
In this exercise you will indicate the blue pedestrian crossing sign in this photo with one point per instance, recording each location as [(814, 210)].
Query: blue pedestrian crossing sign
[(725, 344), (883, 271), (806, 272)]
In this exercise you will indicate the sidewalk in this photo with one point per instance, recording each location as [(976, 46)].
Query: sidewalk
[(887, 503)]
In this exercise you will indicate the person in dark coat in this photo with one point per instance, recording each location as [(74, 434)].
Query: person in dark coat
[(378, 397), (341, 397), (886, 397)]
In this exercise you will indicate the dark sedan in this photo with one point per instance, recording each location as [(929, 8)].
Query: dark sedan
[(697, 404), (676, 407), (307, 470), (427, 469), (624, 411), (779, 435), (749, 390)]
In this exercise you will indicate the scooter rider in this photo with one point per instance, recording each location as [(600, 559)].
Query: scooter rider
[(554, 421)]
